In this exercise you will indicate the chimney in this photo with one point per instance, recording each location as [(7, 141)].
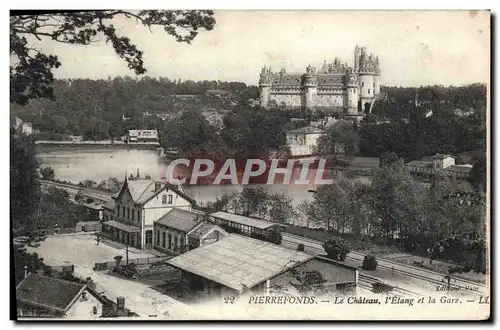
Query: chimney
[(157, 186), (120, 302), (90, 283)]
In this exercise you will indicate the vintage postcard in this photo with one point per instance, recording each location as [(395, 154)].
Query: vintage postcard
[(250, 165)]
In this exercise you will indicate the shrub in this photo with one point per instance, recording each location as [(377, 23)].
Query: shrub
[(381, 287), (300, 247), (336, 249), (369, 263)]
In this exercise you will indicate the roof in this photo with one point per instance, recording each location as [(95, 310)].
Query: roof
[(442, 156), (459, 168), (307, 130), (48, 292), (122, 226), (251, 222), (180, 219), (144, 133), (237, 261), (419, 163), (110, 205), (203, 229), (142, 190)]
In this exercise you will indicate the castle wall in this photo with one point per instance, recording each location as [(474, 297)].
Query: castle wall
[(327, 100), (290, 100)]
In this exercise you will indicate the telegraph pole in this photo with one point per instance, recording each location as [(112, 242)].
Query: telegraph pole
[(126, 249)]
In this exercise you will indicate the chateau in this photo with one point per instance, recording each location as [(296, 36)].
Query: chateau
[(336, 86)]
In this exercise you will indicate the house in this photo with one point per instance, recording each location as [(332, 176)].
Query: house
[(237, 264), (75, 138), (142, 136), (171, 230), (44, 296), (23, 127), (443, 164), (303, 140), (139, 203), (180, 230)]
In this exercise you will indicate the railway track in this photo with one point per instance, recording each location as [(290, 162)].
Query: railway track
[(425, 275)]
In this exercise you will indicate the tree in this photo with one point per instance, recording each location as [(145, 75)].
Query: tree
[(336, 249), (340, 143), (477, 175), (389, 159), (251, 201), (24, 184), (31, 71), (48, 174)]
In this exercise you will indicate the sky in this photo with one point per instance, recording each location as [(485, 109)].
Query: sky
[(414, 47)]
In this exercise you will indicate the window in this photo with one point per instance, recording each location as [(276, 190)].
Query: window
[(368, 91), (157, 243), (169, 241), (123, 211), (374, 85), (138, 215), (169, 199), (128, 213), (163, 239), (362, 84), (164, 199), (176, 241), (133, 214)]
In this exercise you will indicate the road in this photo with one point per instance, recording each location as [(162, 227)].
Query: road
[(420, 281)]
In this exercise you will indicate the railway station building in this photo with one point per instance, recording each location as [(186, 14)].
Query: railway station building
[(236, 264)]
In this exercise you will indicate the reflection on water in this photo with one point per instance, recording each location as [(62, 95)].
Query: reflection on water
[(98, 165)]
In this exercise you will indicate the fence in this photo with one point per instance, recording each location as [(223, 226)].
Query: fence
[(138, 262)]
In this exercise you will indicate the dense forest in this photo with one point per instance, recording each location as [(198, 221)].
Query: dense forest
[(95, 109)]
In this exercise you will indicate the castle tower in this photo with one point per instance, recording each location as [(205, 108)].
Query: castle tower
[(352, 87), (265, 86), (356, 58), (369, 79), (310, 87)]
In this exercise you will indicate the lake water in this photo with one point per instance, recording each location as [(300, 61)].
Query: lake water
[(98, 165)]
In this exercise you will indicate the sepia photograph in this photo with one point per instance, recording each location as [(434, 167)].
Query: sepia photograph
[(256, 165)]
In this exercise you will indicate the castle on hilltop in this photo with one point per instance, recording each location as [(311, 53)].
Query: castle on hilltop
[(336, 86)]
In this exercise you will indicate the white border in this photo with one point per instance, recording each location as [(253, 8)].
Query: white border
[(191, 4)]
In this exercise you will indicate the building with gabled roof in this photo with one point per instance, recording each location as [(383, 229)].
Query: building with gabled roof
[(237, 264), (302, 141), (44, 296), (139, 203), (180, 230)]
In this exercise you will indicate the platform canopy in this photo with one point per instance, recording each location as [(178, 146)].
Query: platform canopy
[(122, 226)]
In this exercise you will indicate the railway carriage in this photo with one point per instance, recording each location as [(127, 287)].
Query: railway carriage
[(247, 226)]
